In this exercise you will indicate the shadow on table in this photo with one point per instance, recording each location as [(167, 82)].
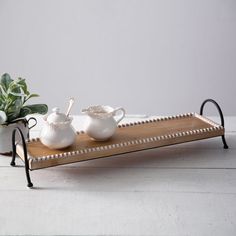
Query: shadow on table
[(137, 169)]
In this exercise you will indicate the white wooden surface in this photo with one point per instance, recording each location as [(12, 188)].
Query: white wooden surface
[(188, 189)]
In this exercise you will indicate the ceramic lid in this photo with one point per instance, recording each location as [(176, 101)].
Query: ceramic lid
[(56, 116)]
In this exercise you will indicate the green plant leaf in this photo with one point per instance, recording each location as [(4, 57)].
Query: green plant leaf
[(15, 92), (14, 87), (33, 95), (24, 111), (21, 82), (5, 81), (32, 109), (13, 109), (13, 95)]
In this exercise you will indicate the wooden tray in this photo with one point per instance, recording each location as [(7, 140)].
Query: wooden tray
[(128, 138)]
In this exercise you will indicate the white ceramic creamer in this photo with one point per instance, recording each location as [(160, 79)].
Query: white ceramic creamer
[(100, 123)]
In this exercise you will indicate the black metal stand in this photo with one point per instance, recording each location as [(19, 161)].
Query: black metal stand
[(30, 185), (18, 130), (221, 117)]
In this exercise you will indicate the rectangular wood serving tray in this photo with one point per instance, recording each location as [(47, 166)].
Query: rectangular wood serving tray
[(128, 138)]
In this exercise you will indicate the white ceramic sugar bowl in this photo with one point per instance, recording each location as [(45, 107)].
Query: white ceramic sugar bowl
[(57, 131), (101, 124)]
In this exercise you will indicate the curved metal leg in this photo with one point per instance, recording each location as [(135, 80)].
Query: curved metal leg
[(221, 117), (30, 185)]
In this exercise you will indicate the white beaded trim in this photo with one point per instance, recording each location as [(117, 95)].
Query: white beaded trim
[(125, 144), (32, 140), (185, 115), (205, 119), (133, 142)]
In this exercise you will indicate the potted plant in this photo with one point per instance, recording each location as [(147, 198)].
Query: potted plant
[(14, 96)]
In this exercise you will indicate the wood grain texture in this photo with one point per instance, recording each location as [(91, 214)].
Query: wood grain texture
[(128, 138)]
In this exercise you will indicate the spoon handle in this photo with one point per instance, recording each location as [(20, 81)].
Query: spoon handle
[(71, 102)]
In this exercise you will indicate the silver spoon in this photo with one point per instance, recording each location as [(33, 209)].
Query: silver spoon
[(71, 102)]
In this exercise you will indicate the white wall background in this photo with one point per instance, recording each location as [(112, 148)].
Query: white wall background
[(153, 57)]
